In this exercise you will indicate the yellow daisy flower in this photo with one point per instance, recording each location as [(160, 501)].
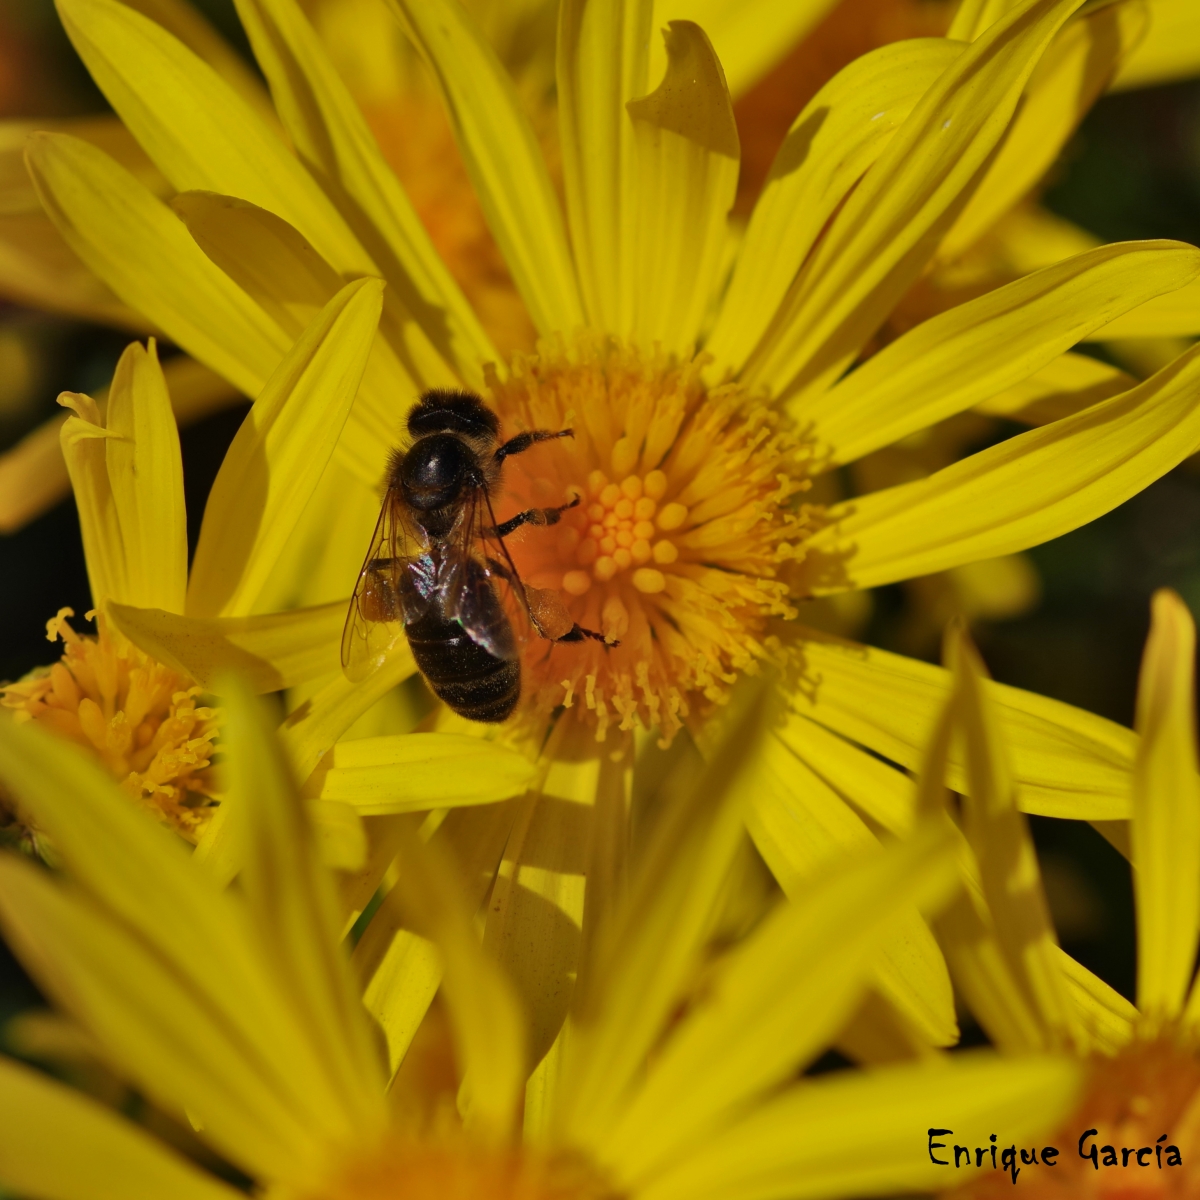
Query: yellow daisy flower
[(710, 450), (681, 1078), (138, 715), (1143, 1080)]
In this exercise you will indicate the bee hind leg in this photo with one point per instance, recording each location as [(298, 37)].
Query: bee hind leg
[(547, 611), (577, 633)]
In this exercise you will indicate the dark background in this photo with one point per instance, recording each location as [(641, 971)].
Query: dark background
[(1133, 171)]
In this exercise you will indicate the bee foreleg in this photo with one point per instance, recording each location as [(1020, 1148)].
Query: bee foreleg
[(533, 516), (522, 441)]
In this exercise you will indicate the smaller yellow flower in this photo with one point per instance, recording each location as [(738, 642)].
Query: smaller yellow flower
[(137, 713), (139, 717), (1143, 1062)]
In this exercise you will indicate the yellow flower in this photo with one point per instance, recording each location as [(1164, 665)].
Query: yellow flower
[(1143, 1076), (641, 334), (681, 1075), (139, 716)]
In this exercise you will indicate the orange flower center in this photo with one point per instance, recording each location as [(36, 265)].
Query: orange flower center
[(138, 717), (1144, 1098), (689, 509)]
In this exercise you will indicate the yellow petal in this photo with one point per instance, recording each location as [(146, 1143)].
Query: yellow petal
[(1025, 491), (274, 264), (315, 725), (33, 476), (400, 969), (536, 910), (56, 1142), (141, 250), (993, 990), (1074, 71), (272, 468), (502, 156), (880, 241), (687, 167), (40, 270), (268, 259), (1064, 386), (197, 130), (1166, 812), (972, 17), (776, 1002), (145, 472), (1170, 50), (1030, 237), (17, 193), (292, 904), (837, 136), (330, 134), (649, 945), (999, 836), (339, 835), (605, 889), (1173, 315), (1067, 762), (1107, 1018), (749, 37), (880, 792), (33, 473), (486, 1015), (37, 268), (413, 772), (400, 985), (184, 22), (957, 358), (139, 890), (813, 1140), (82, 438), (269, 652), (160, 1030), (603, 47), (801, 827), (983, 975)]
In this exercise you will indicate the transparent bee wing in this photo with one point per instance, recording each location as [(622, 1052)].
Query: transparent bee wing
[(393, 589), (470, 580)]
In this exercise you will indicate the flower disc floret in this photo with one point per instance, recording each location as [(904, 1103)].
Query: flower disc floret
[(689, 507)]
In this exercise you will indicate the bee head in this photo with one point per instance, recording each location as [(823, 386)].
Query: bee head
[(442, 410), (436, 471)]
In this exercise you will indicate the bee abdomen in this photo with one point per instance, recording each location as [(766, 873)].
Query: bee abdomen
[(472, 681)]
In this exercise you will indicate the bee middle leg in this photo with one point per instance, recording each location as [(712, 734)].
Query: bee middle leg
[(533, 516)]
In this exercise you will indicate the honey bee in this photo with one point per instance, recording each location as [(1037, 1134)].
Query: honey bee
[(438, 558)]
